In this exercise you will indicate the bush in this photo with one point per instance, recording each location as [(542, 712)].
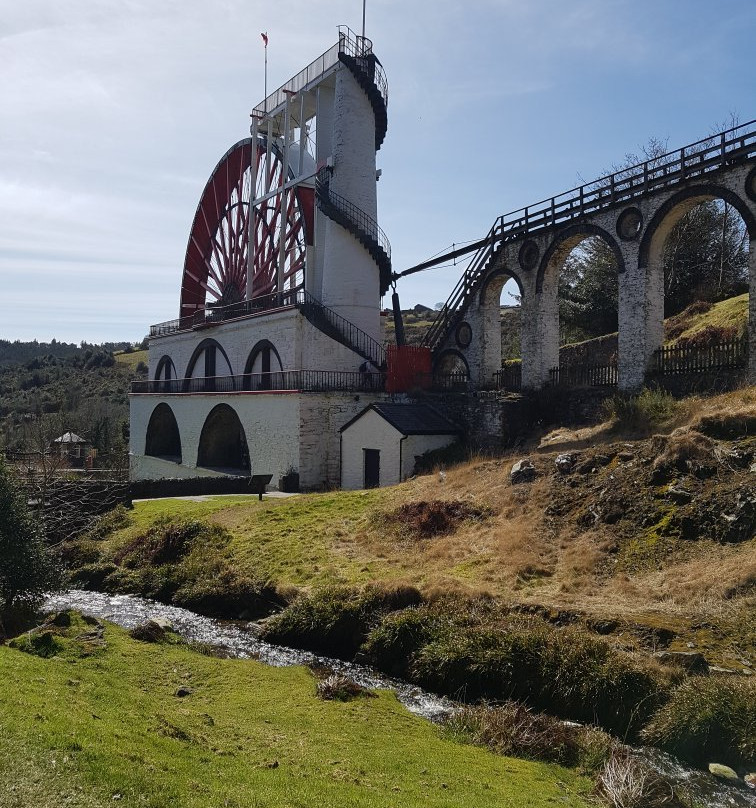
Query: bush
[(167, 541), (626, 782), (335, 620), (424, 520), (643, 412), (565, 672), (707, 720), (391, 645), (27, 568)]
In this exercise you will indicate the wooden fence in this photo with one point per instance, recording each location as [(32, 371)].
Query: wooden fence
[(676, 360), (509, 377), (584, 376)]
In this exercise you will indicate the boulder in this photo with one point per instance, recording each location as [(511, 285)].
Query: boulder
[(723, 772), (565, 462), (163, 622), (750, 780), (183, 691), (692, 661), (523, 471)]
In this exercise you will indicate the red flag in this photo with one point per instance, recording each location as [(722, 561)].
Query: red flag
[(265, 39)]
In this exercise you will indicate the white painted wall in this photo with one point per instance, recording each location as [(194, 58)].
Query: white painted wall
[(398, 457)]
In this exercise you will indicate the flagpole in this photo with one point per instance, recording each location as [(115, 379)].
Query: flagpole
[(266, 72), (364, 2)]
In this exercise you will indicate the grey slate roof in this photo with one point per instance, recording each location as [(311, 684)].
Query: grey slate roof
[(411, 419)]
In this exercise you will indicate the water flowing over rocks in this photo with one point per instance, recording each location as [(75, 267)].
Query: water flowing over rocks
[(238, 640)]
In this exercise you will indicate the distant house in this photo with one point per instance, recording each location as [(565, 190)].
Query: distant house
[(380, 445), (72, 447)]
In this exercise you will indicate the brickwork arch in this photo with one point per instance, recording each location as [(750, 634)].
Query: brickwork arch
[(163, 437)]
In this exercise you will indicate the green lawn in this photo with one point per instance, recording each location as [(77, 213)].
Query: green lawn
[(102, 726)]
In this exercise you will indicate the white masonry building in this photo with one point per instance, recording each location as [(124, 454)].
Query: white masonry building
[(278, 342)]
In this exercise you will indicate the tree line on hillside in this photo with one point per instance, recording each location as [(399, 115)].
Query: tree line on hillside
[(45, 396)]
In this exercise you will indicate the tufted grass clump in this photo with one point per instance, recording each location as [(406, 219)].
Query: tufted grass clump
[(338, 687), (335, 620), (642, 413), (708, 719), (515, 730)]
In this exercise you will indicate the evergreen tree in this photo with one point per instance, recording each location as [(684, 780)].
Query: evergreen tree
[(27, 567)]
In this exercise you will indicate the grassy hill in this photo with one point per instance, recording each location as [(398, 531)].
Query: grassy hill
[(99, 723)]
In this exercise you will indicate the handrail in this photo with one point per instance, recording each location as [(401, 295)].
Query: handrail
[(358, 339), (694, 160), (277, 381), (356, 215), (219, 314), (463, 288), (355, 337), (349, 43)]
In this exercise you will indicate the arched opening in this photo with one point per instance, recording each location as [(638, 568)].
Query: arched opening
[(451, 369), (209, 369), (262, 365), (223, 444), (502, 348), (698, 255), (578, 286), (163, 438)]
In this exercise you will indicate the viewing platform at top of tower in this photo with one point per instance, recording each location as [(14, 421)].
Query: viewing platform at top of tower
[(351, 46)]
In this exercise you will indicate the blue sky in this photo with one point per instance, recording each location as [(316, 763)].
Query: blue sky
[(114, 112)]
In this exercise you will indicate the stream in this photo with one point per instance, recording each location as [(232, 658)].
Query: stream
[(240, 640)]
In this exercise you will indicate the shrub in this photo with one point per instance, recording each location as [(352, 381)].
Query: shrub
[(712, 719), (336, 619), (167, 541), (565, 672), (27, 568), (391, 645), (626, 782), (39, 643), (643, 412)]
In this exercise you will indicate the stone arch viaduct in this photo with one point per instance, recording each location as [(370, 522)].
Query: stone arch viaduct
[(633, 210)]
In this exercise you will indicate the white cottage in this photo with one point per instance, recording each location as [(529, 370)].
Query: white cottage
[(381, 445)]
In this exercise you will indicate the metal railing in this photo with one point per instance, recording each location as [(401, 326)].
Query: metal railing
[(353, 336), (245, 308), (361, 50), (350, 44), (694, 160), (449, 311), (356, 216), (350, 334), (309, 381)]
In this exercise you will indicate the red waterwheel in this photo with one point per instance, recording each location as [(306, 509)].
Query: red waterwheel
[(217, 256)]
